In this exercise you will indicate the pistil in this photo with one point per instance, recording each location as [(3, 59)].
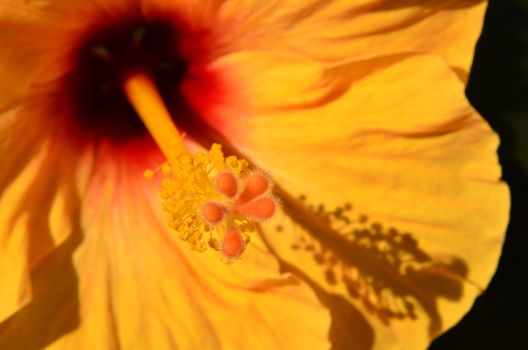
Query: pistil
[(200, 192)]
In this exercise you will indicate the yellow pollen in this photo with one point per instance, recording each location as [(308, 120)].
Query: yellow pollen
[(148, 174), (194, 206)]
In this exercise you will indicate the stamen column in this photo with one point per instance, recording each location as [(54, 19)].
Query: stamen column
[(144, 96)]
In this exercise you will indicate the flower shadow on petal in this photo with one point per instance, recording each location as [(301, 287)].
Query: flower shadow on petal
[(349, 328), (54, 308), (383, 269)]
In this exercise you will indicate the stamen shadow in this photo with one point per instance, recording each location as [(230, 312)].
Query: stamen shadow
[(383, 269)]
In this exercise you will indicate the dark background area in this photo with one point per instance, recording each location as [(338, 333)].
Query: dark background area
[(498, 89)]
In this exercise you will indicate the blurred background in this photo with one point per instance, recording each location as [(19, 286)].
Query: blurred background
[(498, 89)]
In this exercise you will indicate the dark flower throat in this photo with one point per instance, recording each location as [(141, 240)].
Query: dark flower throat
[(95, 85)]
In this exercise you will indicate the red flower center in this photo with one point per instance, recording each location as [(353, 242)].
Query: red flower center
[(95, 85), (92, 92)]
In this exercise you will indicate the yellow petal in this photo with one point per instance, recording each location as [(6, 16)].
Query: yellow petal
[(447, 28), (35, 210), (337, 30), (41, 182), (393, 147), (37, 38), (128, 283)]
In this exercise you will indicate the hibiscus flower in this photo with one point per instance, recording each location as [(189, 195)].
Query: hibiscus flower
[(391, 213)]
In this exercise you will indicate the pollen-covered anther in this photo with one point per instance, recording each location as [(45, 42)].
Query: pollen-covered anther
[(256, 185), (232, 245), (226, 183), (213, 212), (261, 208), (148, 174), (214, 202)]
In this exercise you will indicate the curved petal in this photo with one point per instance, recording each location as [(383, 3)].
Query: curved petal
[(129, 283), (390, 185), (37, 38), (35, 210), (15, 288), (45, 30), (337, 30)]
